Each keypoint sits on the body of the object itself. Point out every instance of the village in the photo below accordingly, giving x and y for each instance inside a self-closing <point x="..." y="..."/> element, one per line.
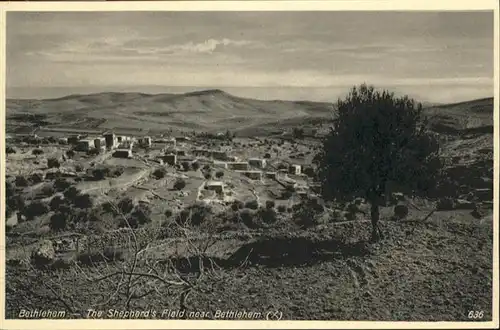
<point x="168" y="174"/>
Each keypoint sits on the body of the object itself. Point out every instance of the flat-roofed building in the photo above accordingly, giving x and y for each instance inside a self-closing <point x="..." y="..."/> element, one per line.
<point x="257" y="162"/>
<point x="122" y="153"/>
<point x="85" y="145"/>
<point x="238" y="166"/>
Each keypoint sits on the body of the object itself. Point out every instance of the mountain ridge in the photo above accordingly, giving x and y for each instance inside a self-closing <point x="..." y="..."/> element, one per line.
<point x="208" y="110"/>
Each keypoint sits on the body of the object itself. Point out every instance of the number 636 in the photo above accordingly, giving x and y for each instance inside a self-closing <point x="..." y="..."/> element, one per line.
<point x="475" y="315"/>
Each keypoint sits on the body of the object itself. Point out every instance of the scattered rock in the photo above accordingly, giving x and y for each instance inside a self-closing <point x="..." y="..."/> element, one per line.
<point x="43" y="254"/>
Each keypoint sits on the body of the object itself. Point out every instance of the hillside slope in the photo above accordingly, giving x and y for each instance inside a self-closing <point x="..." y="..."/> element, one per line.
<point x="209" y="110"/>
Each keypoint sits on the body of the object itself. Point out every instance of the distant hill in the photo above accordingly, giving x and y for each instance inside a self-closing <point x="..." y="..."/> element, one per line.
<point x="206" y="110"/>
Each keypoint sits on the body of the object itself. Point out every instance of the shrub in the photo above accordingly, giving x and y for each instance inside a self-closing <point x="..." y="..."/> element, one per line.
<point x="208" y="176"/>
<point x="445" y="204"/>
<point x="36" y="209"/>
<point x="56" y="202"/>
<point x="141" y="214"/>
<point x="186" y="166"/>
<point x="179" y="184"/>
<point x="247" y="216"/>
<point x="79" y="168"/>
<point x="71" y="193"/>
<point x="195" y="214"/>
<point x="267" y="215"/>
<point x="206" y="168"/>
<point x="253" y="205"/>
<point x="61" y="184"/>
<point x="267" y="155"/>
<point x="53" y="163"/>
<point x="16" y="202"/>
<point x="21" y="181"/>
<point x="237" y="205"/>
<point x="100" y="173"/>
<point x="10" y="150"/>
<point x="36" y="177"/>
<point x="286" y="194"/>
<point x="48" y="190"/>
<point x="219" y="174"/>
<point x="196" y="166"/>
<point x="83" y="201"/>
<point x="282" y="208"/>
<point x="117" y="172"/>
<point x="37" y="152"/>
<point x="168" y="213"/>
<point x="126" y="205"/>
<point x="270" y="204"/>
<point x="70" y="154"/>
<point x="159" y="173"/>
<point x="58" y="221"/>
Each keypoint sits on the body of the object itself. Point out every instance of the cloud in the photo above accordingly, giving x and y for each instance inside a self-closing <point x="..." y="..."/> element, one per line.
<point x="116" y="49"/>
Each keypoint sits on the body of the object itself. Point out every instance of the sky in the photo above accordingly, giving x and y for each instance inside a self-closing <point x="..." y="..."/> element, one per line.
<point x="433" y="56"/>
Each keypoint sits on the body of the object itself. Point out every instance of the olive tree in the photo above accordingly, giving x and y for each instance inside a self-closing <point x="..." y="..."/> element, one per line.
<point x="377" y="142"/>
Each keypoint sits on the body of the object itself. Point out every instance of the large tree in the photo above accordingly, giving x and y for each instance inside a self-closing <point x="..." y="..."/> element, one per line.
<point x="377" y="142"/>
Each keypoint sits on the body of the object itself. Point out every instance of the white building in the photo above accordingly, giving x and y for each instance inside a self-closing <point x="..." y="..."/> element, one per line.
<point x="295" y="169"/>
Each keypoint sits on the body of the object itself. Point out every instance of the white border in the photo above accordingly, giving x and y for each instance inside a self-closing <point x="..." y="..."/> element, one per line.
<point x="374" y="5"/>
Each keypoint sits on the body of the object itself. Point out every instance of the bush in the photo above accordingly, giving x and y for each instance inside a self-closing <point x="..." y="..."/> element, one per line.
<point x="186" y="166"/>
<point x="15" y="202"/>
<point x="70" y="154"/>
<point x="159" y="173"/>
<point x="237" y="205"/>
<point x="126" y="205"/>
<point x="208" y="176"/>
<point x="168" y="213"/>
<point x="21" y="181"/>
<point x="36" y="178"/>
<point x="10" y="150"/>
<point x="56" y="202"/>
<point x="53" y="163"/>
<point x="79" y="168"/>
<point x="141" y="214"/>
<point x="61" y="184"/>
<point x="83" y="201"/>
<point x="36" y="209"/>
<point x="100" y="173"/>
<point x="37" y="152"/>
<point x="253" y="205"/>
<point x="71" y="193"/>
<point x="219" y="174"/>
<point x="58" y="221"/>
<point x="247" y="216"/>
<point x="117" y="172"/>
<point x="282" y="208"/>
<point x="267" y="155"/>
<point x="445" y="204"/>
<point x="267" y="215"/>
<point x="270" y="204"/>
<point x="206" y="168"/>
<point x="195" y="214"/>
<point x="48" y="190"/>
<point x="196" y="166"/>
<point x="179" y="184"/>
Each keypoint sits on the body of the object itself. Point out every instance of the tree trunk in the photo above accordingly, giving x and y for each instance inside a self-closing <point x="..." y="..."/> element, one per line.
<point x="375" y="198"/>
<point x="375" y="216"/>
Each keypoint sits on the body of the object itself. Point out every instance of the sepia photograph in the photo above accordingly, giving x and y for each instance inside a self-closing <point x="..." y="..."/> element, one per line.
<point x="250" y="165"/>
